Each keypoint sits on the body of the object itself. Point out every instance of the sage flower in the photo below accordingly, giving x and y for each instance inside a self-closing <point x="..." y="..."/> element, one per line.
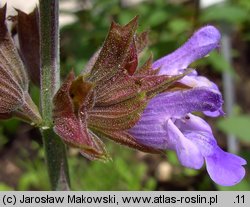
<point x="168" y="122"/>
<point x="148" y="108"/>
<point x="109" y="97"/>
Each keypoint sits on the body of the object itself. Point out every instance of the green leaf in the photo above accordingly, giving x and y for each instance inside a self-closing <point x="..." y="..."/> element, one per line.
<point x="219" y="63"/>
<point x="10" y="125"/>
<point x="225" y="13"/>
<point x="125" y="17"/>
<point x="157" y="18"/>
<point x="190" y="172"/>
<point x="172" y="158"/>
<point x="179" y="26"/>
<point x="236" y="125"/>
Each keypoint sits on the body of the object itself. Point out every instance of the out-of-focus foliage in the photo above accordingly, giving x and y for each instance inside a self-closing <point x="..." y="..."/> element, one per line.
<point x="236" y="125"/>
<point x="3" y="138"/>
<point x="232" y="14"/>
<point x="123" y="173"/>
<point x="4" y="187"/>
<point x="219" y="64"/>
<point x="35" y="177"/>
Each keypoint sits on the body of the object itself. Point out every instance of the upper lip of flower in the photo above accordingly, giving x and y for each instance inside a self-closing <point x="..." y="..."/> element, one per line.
<point x="200" y="44"/>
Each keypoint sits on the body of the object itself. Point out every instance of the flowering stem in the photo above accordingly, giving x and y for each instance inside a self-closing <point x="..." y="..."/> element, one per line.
<point x="50" y="80"/>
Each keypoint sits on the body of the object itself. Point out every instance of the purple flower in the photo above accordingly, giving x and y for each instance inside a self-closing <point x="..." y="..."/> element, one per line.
<point x="200" y="44"/>
<point x="167" y="122"/>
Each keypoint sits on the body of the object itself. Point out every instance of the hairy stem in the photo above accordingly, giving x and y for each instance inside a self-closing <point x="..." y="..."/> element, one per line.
<point x="50" y="80"/>
<point x="56" y="160"/>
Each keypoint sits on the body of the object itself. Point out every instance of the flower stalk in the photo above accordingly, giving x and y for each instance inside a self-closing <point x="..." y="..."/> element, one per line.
<point x="50" y="80"/>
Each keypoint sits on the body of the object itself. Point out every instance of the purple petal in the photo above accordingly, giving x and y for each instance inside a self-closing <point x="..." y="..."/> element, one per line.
<point x="225" y="168"/>
<point x="205" y="141"/>
<point x="194" y="80"/>
<point x="150" y="131"/>
<point x="199" y="132"/>
<point x="179" y="103"/>
<point x="192" y="123"/>
<point x="200" y="44"/>
<point x="219" y="112"/>
<point x="188" y="153"/>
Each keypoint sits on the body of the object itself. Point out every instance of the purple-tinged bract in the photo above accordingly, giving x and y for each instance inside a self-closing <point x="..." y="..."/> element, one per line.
<point x="14" y="97"/>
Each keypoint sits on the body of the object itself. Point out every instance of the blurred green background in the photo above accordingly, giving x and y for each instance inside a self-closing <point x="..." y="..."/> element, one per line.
<point x="170" y="23"/>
